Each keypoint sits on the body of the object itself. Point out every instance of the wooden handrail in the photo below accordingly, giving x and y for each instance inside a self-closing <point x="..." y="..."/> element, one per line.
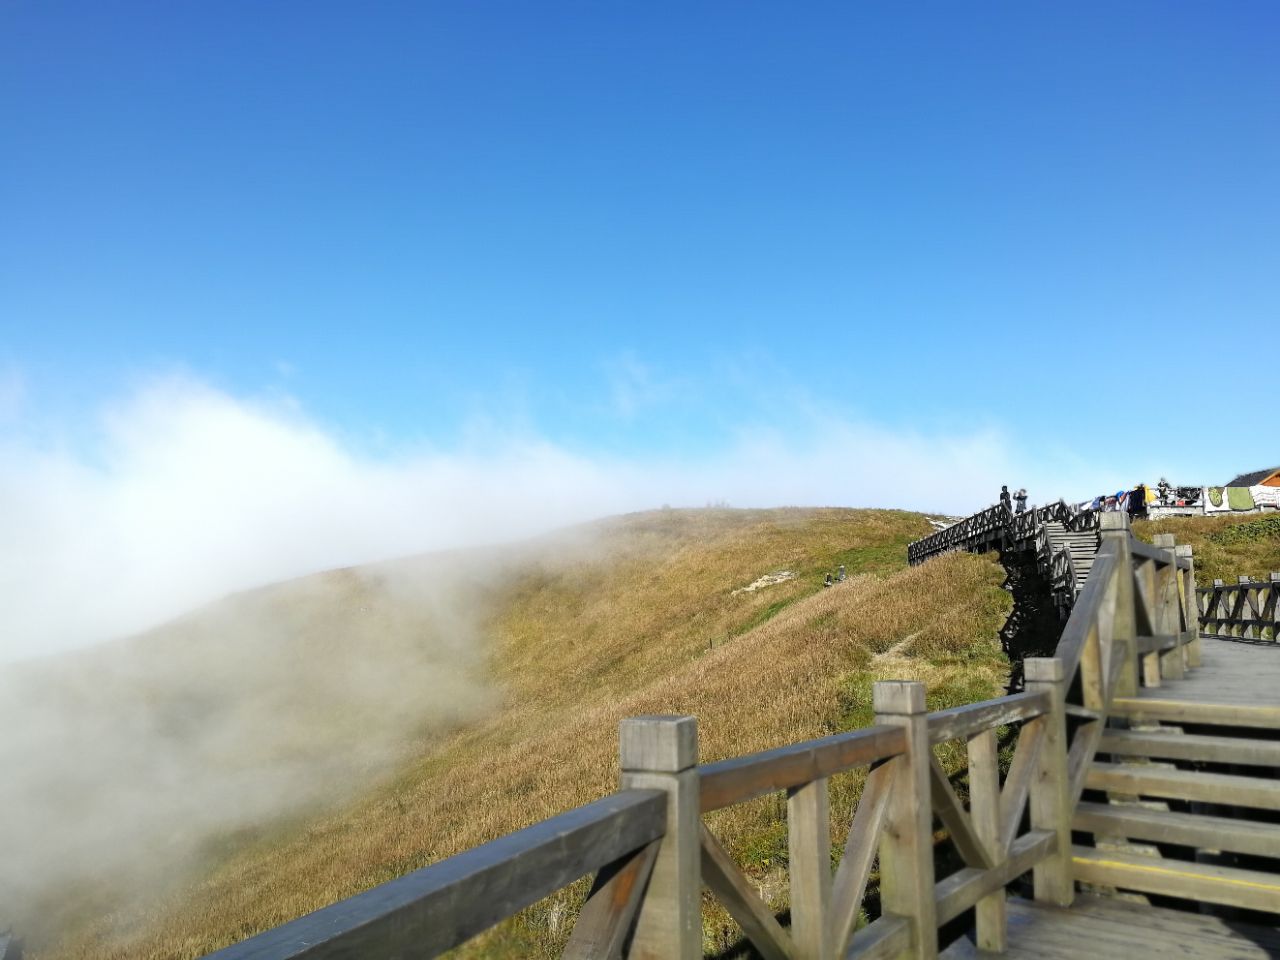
<point x="431" y="910"/>
<point x="744" y="778"/>
<point x="971" y="718"/>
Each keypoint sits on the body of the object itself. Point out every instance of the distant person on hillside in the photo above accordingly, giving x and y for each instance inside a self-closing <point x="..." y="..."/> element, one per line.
<point x="1021" y="497"/>
<point x="1004" y="497"/>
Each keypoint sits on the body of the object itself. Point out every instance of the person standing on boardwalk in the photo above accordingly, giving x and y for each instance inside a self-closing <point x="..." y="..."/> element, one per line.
<point x="1004" y="497"/>
<point x="1021" y="497"/>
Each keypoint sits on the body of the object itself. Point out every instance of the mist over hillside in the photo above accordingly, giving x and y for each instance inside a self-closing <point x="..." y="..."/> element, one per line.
<point x="127" y="765"/>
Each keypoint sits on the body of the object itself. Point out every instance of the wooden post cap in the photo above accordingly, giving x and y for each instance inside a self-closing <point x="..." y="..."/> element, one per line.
<point x="1218" y="583"/>
<point x="1182" y="550"/>
<point x="1164" y="540"/>
<point x="660" y="744"/>
<point x="1115" y="521"/>
<point x="1275" y="577"/>
<point x="1244" y="578"/>
<point x="1043" y="670"/>
<point x="902" y="697"/>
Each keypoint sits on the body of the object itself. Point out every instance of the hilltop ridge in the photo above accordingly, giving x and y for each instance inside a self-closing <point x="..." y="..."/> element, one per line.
<point x="506" y="673"/>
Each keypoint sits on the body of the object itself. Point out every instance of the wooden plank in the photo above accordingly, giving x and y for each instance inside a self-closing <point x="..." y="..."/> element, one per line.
<point x="1111" y="928"/>
<point x="721" y="874"/>
<point x="883" y="939"/>
<point x="906" y="842"/>
<point x="960" y="891"/>
<point x="1265" y="716"/>
<point x="745" y="778"/>
<point x="1183" y="925"/>
<point x="1185" y="746"/>
<point x="1165" y="826"/>
<point x="984" y="807"/>
<point x="1248" y="889"/>
<point x="859" y="852"/>
<point x="1051" y="786"/>
<point x="1017" y="782"/>
<point x="1157" y="644"/>
<point x="809" y="855"/>
<point x="606" y="918"/>
<point x="1152" y="781"/>
<point x="431" y="910"/>
<point x="1075" y="634"/>
<point x="951" y="812"/>
<point x="1080" y="757"/>
<point x="966" y="720"/>
<point x="1148" y="552"/>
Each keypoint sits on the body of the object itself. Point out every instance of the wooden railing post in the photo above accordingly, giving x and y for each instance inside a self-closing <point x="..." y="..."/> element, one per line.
<point x="809" y="847"/>
<point x="1216" y="600"/>
<point x="1183" y="552"/>
<point x="990" y="914"/>
<point x="1169" y="608"/>
<point x="1050" y="789"/>
<point x="661" y="753"/>
<point x="1114" y="528"/>
<point x="1274" y="606"/>
<point x="906" y="845"/>
<point x="1245" y="609"/>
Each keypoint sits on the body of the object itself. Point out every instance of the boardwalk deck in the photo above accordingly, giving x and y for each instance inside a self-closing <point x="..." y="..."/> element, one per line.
<point x="1095" y="927"/>
<point x="1232" y="672"/>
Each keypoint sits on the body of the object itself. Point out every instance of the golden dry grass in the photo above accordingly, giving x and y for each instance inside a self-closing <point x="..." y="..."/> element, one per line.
<point x="645" y="622"/>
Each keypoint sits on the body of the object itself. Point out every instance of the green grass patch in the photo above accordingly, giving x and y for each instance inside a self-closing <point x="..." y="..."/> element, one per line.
<point x="1251" y="532"/>
<point x="763" y="614"/>
<point x="879" y="559"/>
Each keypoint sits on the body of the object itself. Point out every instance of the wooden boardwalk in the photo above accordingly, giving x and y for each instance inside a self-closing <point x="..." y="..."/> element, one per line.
<point x="1096" y="928"/>
<point x="1231" y="673"/>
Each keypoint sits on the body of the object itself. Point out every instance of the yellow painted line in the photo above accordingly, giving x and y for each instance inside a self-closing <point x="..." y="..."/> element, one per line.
<point x="1141" y="868"/>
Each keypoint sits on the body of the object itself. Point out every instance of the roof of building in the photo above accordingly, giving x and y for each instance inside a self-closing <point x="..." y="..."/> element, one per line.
<point x="1254" y="478"/>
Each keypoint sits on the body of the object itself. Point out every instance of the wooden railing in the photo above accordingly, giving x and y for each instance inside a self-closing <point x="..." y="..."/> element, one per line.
<point x="999" y="525"/>
<point x="651" y="853"/>
<point x="1247" y="610"/>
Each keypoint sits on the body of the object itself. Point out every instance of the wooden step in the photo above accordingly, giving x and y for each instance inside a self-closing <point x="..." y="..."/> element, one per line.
<point x="1185" y="746"/>
<point x="1249" y="889"/>
<point x="1266" y="715"/>
<point x="1147" y="780"/>
<point x="1166" y="826"/>
<point x="1106" y="927"/>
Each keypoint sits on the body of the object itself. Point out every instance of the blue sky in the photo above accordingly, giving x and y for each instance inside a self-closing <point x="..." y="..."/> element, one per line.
<point x="653" y="234"/>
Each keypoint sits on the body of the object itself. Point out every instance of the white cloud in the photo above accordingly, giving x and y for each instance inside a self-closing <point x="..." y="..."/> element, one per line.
<point x="191" y="493"/>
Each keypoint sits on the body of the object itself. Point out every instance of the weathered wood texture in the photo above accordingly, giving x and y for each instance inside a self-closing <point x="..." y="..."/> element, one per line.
<point x="1095" y="927"/>
<point x="1248" y="889"/>
<point x="429" y="911"/>
<point x="1248" y="609"/>
<point x="745" y="778"/>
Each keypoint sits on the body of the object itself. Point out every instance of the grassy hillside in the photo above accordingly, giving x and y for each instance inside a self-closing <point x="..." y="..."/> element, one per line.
<point x="1224" y="547"/>
<point x="639" y="614"/>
